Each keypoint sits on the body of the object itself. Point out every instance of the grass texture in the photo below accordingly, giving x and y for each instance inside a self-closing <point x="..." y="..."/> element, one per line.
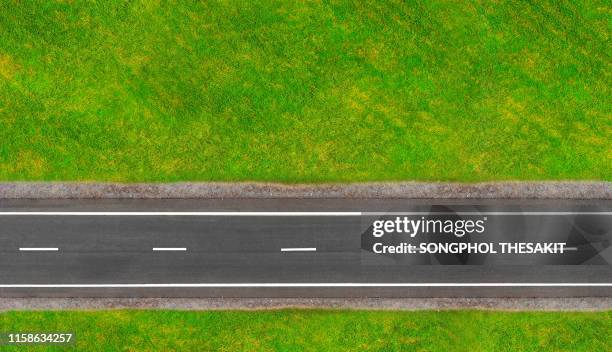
<point x="318" y="330"/>
<point x="305" y="91"/>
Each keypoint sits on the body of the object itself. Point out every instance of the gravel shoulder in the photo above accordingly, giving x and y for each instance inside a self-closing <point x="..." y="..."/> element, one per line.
<point x="509" y="304"/>
<point x="415" y="190"/>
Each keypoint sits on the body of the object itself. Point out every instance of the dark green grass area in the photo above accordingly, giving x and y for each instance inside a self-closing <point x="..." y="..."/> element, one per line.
<point x="305" y="91"/>
<point x="321" y="330"/>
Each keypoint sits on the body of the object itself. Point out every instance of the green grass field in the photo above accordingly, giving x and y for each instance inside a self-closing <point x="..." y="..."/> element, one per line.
<point x="305" y="91"/>
<point x="321" y="330"/>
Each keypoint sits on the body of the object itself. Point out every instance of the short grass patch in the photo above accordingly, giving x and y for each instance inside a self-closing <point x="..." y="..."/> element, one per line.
<point x="321" y="330"/>
<point x="307" y="91"/>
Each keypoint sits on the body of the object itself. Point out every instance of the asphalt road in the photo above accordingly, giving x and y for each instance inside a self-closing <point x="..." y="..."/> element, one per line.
<point x="292" y="248"/>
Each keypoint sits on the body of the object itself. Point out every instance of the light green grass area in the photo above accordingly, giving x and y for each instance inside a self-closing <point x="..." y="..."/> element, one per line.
<point x="321" y="330"/>
<point x="305" y="91"/>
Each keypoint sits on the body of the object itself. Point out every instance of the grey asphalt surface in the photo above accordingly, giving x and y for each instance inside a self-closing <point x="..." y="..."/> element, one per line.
<point x="246" y="250"/>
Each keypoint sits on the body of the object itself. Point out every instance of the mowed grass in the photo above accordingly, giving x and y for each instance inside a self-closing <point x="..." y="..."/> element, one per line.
<point x="305" y="91"/>
<point x="320" y="330"/>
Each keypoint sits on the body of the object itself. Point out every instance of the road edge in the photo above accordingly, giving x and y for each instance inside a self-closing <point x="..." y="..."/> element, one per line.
<point x="407" y="304"/>
<point x="204" y="190"/>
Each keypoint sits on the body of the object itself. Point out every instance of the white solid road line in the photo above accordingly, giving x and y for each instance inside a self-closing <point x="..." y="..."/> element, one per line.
<point x="169" y="248"/>
<point x="332" y="284"/>
<point x="286" y="213"/>
<point x="476" y="213"/>
<point x="28" y="249"/>
<point x="309" y="249"/>
<point x="181" y="213"/>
